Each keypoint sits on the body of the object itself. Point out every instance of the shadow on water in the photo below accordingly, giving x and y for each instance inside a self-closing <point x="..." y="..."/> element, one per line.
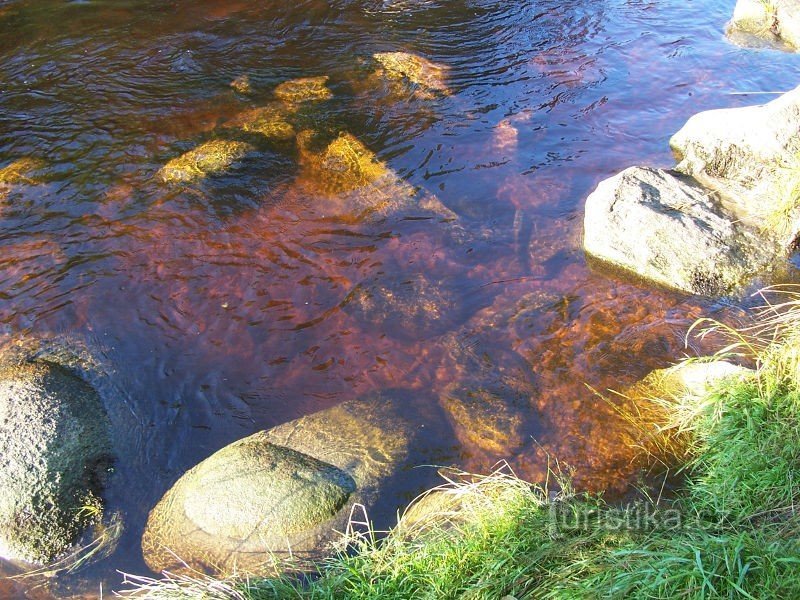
<point x="235" y="303"/>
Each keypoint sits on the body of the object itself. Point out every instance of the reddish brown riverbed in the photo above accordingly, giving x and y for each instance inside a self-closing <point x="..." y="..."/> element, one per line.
<point x="218" y="308"/>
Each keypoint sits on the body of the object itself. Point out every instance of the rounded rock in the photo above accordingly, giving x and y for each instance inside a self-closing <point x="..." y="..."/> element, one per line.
<point x="243" y="503"/>
<point x="55" y="452"/>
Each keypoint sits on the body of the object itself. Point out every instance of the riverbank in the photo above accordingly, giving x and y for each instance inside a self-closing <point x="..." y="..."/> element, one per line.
<point x="729" y="528"/>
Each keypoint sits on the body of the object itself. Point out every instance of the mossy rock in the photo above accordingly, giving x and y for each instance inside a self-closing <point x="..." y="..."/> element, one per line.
<point x="22" y="170"/>
<point x="304" y="89"/>
<point x="245" y="500"/>
<point x="210" y="158"/>
<point x="342" y="165"/>
<point x="55" y="452"/>
<point x="269" y="121"/>
<point x="427" y="77"/>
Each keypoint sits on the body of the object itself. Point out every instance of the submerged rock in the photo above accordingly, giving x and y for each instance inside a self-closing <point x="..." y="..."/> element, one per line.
<point x="351" y="183"/>
<point x="407" y="307"/>
<point x="269" y="121"/>
<point x="22" y="170"/>
<point x="212" y="157"/>
<point x="770" y="20"/>
<point x="242" y="85"/>
<point x="55" y="452"/>
<point x="280" y="495"/>
<point x="670" y="230"/>
<point x="304" y="89"/>
<point x="342" y="165"/>
<point x="491" y="399"/>
<point x="751" y="156"/>
<point x="427" y="77"/>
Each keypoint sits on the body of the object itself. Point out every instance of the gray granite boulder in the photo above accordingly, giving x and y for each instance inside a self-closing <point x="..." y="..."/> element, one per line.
<point x="751" y="156"/>
<point x="55" y="452"/>
<point x="667" y="229"/>
<point x="768" y="20"/>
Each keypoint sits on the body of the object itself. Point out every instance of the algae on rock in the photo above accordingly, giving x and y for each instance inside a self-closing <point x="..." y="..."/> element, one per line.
<point x="22" y="170"/>
<point x="242" y="84"/>
<point x="304" y="89"/>
<point x="209" y="158"/>
<point x="269" y="121"/>
<point x="343" y="165"/>
<point x="428" y="77"/>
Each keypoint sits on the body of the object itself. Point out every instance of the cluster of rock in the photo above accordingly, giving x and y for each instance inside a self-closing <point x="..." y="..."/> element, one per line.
<point x="279" y="497"/>
<point x="728" y="211"/>
<point x="345" y="159"/>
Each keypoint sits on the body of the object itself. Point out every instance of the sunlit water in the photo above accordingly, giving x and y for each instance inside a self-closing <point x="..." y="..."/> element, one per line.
<point x="218" y="309"/>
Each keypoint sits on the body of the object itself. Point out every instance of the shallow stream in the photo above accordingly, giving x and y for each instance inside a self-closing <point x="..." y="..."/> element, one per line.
<point x="222" y="307"/>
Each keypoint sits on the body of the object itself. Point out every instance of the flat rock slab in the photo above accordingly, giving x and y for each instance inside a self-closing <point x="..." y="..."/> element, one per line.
<point x="669" y="230"/>
<point x="272" y="500"/>
<point x="751" y="156"/>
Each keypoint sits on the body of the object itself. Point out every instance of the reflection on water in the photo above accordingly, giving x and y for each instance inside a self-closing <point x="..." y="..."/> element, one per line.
<point x="239" y="301"/>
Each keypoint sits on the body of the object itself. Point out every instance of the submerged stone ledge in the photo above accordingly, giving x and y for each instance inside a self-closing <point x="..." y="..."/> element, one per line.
<point x="729" y="211"/>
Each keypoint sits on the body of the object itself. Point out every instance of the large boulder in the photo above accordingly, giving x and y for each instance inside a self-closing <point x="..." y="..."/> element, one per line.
<point x="749" y="155"/>
<point x="770" y="20"/>
<point x="55" y="453"/>
<point x="667" y="229"/>
<point x="280" y="495"/>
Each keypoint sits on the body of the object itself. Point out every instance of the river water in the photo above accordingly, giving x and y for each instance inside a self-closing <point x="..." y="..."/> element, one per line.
<point x="219" y="308"/>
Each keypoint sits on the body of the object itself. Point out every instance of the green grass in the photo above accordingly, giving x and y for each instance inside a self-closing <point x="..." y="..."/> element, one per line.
<point x="730" y="531"/>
